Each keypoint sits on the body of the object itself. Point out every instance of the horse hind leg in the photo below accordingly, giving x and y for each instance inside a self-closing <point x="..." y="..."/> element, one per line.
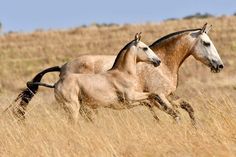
<point x="70" y="106"/>
<point x="71" y="112"/>
<point x="86" y="113"/>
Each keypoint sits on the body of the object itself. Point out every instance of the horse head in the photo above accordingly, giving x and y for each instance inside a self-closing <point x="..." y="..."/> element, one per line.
<point x="205" y="51"/>
<point x="144" y="53"/>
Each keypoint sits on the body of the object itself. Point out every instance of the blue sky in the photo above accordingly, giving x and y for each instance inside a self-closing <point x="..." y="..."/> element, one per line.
<point x="28" y="15"/>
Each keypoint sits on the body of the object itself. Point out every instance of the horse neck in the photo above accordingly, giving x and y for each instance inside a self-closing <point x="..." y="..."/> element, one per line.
<point x="125" y="62"/>
<point x="173" y="51"/>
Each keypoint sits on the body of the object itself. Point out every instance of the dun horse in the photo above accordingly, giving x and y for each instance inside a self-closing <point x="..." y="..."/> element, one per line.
<point x="114" y="88"/>
<point x="173" y="49"/>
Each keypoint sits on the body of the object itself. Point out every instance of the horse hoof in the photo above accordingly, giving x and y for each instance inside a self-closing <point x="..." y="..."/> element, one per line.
<point x="156" y="119"/>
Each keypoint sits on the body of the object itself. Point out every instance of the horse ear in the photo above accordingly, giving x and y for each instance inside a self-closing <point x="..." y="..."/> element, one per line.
<point x="208" y="29"/>
<point x="137" y="36"/>
<point x="204" y="28"/>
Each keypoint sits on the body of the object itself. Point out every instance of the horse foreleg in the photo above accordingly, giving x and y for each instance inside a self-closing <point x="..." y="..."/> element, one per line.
<point x="164" y="105"/>
<point x="177" y="101"/>
<point x="151" y="109"/>
<point x="138" y="98"/>
<point x="186" y="106"/>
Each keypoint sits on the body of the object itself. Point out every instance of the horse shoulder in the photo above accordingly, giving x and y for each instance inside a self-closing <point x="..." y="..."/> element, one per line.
<point x="155" y="79"/>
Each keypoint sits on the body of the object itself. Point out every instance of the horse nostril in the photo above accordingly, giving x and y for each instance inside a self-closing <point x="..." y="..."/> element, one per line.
<point x="221" y="66"/>
<point x="156" y="62"/>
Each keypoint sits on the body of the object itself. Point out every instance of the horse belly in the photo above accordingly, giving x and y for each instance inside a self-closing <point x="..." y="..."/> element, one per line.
<point x="98" y="93"/>
<point x="105" y="100"/>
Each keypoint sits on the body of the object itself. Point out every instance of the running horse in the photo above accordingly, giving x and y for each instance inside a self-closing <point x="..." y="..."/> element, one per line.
<point x="173" y="49"/>
<point x="115" y="88"/>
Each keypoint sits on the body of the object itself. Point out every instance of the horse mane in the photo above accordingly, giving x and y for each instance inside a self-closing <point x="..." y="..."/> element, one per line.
<point x="172" y="35"/>
<point x="121" y="54"/>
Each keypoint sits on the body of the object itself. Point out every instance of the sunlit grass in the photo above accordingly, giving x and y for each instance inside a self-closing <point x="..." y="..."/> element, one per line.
<point x="128" y="133"/>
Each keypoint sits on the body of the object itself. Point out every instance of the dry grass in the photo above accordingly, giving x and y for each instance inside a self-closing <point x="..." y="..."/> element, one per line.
<point x="118" y="133"/>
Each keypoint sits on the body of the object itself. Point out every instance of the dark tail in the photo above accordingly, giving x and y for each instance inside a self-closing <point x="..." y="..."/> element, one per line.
<point x="32" y="87"/>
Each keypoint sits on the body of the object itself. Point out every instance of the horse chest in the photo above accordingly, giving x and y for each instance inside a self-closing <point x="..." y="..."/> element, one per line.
<point x="157" y="80"/>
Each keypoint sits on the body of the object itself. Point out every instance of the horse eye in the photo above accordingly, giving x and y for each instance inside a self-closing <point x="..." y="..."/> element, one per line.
<point x="207" y="44"/>
<point x="145" y="48"/>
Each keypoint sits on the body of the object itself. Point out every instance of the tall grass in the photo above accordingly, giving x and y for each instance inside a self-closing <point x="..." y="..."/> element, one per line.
<point x="128" y="133"/>
<point x="134" y="132"/>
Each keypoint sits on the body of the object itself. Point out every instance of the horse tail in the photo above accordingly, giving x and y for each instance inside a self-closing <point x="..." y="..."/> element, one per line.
<point x="32" y="87"/>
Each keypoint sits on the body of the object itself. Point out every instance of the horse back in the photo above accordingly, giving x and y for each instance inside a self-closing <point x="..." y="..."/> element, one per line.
<point x="88" y="64"/>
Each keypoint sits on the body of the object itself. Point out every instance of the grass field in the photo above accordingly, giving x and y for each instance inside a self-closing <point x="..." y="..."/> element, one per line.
<point x="128" y="133"/>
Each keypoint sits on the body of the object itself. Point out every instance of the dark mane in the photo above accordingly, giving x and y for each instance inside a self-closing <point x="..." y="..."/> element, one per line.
<point x="173" y="34"/>
<point x="121" y="53"/>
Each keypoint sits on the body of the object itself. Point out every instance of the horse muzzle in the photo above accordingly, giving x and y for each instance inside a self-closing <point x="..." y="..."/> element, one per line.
<point x="156" y="62"/>
<point x="216" y="67"/>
